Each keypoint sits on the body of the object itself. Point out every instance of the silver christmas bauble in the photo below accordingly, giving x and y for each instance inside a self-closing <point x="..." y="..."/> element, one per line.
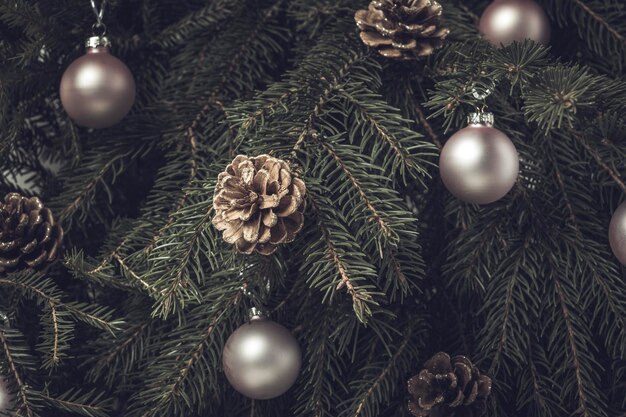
<point x="617" y="233"/>
<point x="505" y="21"/>
<point x="6" y="398"/>
<point x="97" y="90"/>
<point x="261" y="359"/>
<point x="479" y="164"/>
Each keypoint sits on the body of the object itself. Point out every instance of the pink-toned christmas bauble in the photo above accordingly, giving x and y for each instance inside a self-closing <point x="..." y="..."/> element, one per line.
<point x="97" y="90"/>
<point x="505" y="21"/>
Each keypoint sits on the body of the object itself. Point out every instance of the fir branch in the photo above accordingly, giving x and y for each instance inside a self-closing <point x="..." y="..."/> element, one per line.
<point x="171" y="287"/>
<point x="508" y="302"/>
<point x="104" y="272"/>
<point x="107" y="259"/>
<point x="343" y="256"/>
<point x="193" y="171"/>
<point x="183" y="380"/>
<point x="87" y="189"/>
<point x="133" y="334"/>
<point x="149" y="288"/>
<point x="206" y="20"/>
<point x="558" y="93"/>
<point x="595" y="16"/>
<point x="322" y="362"/>
<point x="508" y="306"/>
<point x="92" y="314"/>
<point x="200" y="347"/>
<point x="582" y="396"/>
<point x="613" y="174"/>
<point x="600" y="277"/>
<point x="86" y="404"/>
<point x="566" y="199"/>
<point x="86" y="180"/>
<point x="380" y="379"/>
<point x="125" y="353"/>
<point x="23" y="390"/>
<point x="252" y="119"/>
<point x="538" y="389"/>
<point x="376" y="215"/>
<point x="388" y="127"/>
<point x="331" y="86"/>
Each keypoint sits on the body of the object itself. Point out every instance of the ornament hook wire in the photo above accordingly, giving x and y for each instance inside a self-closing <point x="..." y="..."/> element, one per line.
<point x="482" y="93"/>
<point x="254" y="294"/>
<point x="99" y="13"/>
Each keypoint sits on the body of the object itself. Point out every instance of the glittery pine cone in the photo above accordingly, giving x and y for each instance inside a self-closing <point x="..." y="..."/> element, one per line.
<point x="449" y="388"/>
<point x="258" y="204"/>
<point x="29" y="237"/>
<point x="402" y="29"/>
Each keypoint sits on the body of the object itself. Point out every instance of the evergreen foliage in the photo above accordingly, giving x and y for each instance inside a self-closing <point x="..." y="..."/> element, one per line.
<point x="389" y="269"/>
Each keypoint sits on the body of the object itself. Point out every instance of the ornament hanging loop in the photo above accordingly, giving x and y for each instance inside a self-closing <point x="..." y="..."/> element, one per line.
<point x="99" y="29"/>
<point x="481" y="93"/>
<point x="481" y="89"/>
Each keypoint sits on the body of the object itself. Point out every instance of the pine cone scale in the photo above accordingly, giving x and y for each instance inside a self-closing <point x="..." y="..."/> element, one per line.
<point x="280" y="233"/>
<point x="294" y="224"/>
<point x="374" y="39"/>
<point x="38" y="260"/>
<point x="471" y="397"/>
<point x="29" y="247"/>
<point x="269" y="219"/>
<point x="232" y="233"/>
<point x="484" y="386"/>
<point x="411" y="44"/>
<point x="266" y="235"/>
<point x="458" y="400"/>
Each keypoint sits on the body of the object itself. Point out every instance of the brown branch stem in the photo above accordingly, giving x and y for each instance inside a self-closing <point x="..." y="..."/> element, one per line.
<point x="429" y="129"/>
<point x="22" y="394"/>
<point x="383" y="374"/>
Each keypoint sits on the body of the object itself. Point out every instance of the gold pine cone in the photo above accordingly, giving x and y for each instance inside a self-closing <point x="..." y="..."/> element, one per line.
<point x="258" y="204"/>
<point x="29" y="237"/>
<point x="402" y="29"/>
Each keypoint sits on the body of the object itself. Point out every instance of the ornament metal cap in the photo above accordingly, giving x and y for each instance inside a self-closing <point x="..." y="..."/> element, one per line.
<point x="480" y="118"/>
<point x="255" y="314"/>
<point x="97" y="41"/>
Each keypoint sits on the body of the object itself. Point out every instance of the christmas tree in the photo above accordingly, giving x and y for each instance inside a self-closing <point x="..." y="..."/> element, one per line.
<point x="286" y="156"/>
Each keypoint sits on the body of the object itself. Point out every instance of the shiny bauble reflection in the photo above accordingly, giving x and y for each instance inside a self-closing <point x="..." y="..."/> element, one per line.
<point x="505" y="21"/>
<point x="262" y="359"/>
<point x="97" y="90"/>
<point x="6" y="398"/>
<point x="617" y="233"/>
<point x="479" y="164"/>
